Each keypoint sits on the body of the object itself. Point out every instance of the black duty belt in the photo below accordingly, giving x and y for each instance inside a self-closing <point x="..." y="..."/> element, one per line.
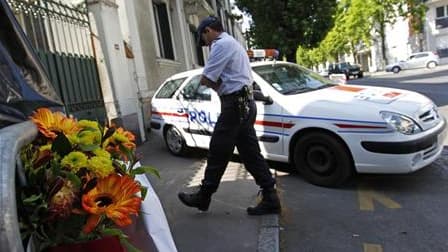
<point x="243" y="92"/>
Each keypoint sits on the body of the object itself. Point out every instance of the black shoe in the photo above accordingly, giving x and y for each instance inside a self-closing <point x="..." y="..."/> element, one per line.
<point x="200" y="200"/>
<point x="270" y="204"/>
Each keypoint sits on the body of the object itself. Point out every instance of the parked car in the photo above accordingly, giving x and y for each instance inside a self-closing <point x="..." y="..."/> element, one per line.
<point x="323" y="73"/>
<point x="415" y="60"/>
<point x="326" y="131"/>
<point x="346" y="68"/>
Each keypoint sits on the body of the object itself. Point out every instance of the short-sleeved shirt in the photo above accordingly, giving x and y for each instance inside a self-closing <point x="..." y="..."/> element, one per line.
<point x="229" y="61"/>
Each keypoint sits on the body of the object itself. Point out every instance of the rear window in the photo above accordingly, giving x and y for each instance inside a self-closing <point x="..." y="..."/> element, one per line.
<point x="169" y="88"/>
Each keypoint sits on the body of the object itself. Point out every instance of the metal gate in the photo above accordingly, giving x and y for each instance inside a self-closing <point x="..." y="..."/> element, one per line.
<point x="60" y="33"/>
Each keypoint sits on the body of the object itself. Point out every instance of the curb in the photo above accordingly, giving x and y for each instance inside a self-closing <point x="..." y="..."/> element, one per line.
<point x="268" y="238"/>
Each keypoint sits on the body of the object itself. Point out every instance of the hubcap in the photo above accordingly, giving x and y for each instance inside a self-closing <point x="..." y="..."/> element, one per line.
<point x="320" y="159"/>
<point x="174" y="140"/>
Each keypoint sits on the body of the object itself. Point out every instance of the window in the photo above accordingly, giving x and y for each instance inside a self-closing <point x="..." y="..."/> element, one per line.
<point x="442" y="17"/>
<point x="420" y="55"/>
<point x="194" y="91"/>
<point x="169" y="88"/>
<point x="163" y="30"/>
<point x="290" y="79"/>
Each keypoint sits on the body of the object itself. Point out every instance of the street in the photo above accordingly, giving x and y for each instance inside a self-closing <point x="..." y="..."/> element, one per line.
<point x="370" y="213"/>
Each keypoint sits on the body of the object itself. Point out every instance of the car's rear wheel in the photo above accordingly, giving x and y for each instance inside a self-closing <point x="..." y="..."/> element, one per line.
<point x="396" y="69"/>
<point x="431" y="64"/>
<point x="323" y="159"/>
<point x="360" y="75"/>
<point x="175" y="142"/>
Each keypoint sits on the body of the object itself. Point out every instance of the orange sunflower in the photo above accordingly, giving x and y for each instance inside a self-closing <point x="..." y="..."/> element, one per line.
<point x="50" y="123"/>
<point x="122" y="138"/>
<point x="115" y="196"/>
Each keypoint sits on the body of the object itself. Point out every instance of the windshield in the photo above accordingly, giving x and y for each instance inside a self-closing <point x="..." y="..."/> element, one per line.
<point x="291" y="79"/>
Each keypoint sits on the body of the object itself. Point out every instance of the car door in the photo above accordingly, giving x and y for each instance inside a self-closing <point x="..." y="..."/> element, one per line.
<point x="203" y="108"/>
<point x="421" y="59"/>
<point x="416" y="60"/>
<point x="269" y="122"/>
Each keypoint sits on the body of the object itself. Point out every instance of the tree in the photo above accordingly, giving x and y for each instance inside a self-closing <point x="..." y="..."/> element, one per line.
<point x="359" y="22"/>
<point x="283" y="24"/>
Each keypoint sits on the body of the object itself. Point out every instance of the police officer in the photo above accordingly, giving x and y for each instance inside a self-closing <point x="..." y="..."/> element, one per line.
<point x="228" y="72"/>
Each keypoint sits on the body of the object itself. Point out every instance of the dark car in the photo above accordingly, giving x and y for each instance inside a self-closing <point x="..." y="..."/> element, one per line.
<point x="345" y="68"/>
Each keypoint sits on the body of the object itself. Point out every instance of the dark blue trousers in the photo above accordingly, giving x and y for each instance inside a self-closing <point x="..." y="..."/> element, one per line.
<point x="231" y="131"/>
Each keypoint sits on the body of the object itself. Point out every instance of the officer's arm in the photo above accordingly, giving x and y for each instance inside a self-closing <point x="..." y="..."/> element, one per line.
<point x="209" y="83"/>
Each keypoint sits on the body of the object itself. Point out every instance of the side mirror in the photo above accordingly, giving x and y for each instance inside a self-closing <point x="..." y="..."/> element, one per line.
<point x="258" y="96"/>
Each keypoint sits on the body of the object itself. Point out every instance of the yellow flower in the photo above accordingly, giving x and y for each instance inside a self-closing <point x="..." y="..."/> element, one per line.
<point x="87" y="137"/>
<point x="101" y="153"/>
<point x="116" y="197"/>
<point x="75" y="160"/>
<point x="86" y="124"/>
<point x="50" y="123"/>
<point x="122" y="138"/>
<point x="101" y="166"/>
<point x="46" y="147"/>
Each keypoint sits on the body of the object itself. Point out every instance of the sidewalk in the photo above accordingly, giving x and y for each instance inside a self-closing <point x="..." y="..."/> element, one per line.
<point x="226" y="226"/>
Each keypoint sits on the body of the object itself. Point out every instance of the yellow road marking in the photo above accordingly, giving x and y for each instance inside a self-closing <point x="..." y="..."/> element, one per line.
<point x="367" y="196"/>
<point x="369" y="247"/>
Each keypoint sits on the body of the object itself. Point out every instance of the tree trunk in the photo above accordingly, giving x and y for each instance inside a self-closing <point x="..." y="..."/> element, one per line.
<point x="383" y="42"/>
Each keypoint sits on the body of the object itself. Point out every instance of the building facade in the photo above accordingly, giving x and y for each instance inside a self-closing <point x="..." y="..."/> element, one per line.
<point x="400" y="42"/>
<point x="141" y="43"/>
<point x="436" y="27"/>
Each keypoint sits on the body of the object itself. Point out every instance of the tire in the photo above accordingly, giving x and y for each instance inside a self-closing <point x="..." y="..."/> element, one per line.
<point x="396" y="69"/>
<point x="322" y="159"/>
<point x="431" y="64"/>
<point x="175" y="142"/>
<point x="360" y="75"/>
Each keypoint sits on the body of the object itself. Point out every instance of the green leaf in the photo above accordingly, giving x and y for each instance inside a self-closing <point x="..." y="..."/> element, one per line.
<point x="89" y="147"/>
<point x="143" y="191"/>
<point x="113" y="232"/>
<point x="61" y="145"/>
<point x="126" y="151"/>
<point x="108" y="133"/>
<point x="73" y="178"/>
<point x="146" y="170"/>
<point x="32" y="198"/>
<point x="129" y="247"/>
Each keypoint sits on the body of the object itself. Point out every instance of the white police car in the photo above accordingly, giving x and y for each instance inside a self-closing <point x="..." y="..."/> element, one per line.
<point x="326" y="131"/>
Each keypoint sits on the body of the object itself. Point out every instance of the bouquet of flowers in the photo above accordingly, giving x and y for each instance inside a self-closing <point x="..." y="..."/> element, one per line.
<point x="79" y="182"/>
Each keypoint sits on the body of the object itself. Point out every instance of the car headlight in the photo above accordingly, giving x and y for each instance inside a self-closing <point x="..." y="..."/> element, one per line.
<point x="401" y="123"/>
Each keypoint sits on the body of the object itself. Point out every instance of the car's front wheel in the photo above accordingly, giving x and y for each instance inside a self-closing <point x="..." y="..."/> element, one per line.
<point x="431" y="64"/>
<point x="396" y="69"/>
<point x="322" y="159"/>
<point x="175" y="142"/>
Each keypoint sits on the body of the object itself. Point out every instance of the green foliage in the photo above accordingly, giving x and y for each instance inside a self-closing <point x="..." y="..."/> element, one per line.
<point x="359" y="22"/>
<point x="283" y="24"/>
